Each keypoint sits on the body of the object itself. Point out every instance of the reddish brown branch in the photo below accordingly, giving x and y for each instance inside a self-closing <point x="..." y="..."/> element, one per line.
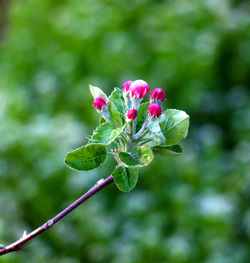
<point x="19" y="244"/>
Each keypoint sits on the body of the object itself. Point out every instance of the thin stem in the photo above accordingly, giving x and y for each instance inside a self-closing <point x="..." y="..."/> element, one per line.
<point x="124" y="138"/>
<point x="110" y="153"/>
<point x="121" y="145"/>
<point x="19" y="244"/>
<point x="141" y="131"/>
<point x="117" y="145"/>
<point x="143" y="134"/>
<point x="134" y="126"/>
<point x="131" y="128"/>
<point x="142" y="142"/>
<point x="118" y="160"/>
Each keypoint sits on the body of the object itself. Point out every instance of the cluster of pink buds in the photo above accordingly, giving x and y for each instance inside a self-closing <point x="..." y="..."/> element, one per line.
<point x="135" y="91"/>
<point x="157" y="96"/>
<point x="101" y="106"/>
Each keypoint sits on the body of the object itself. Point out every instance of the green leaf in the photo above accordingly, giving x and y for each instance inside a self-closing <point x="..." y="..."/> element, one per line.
<point x="142" y="114"/>
<point x="97" y="92"/>
<point x="114" y="114"/>
<point x="87" y="157"/>
<point x="125" y="178"/>
<point x="117" y="98"/>
<point x="105" y="133"/>
<point x="140" y="156"/>
<point x="165" y="150"/>
<point x="174" y="125"/>
<point x="158" y="139"/>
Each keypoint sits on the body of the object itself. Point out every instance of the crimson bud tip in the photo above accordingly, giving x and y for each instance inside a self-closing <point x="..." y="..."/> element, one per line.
<point x="154" y="110"/>
<point x="99" y="103"/>
<point x="132" y="114"/>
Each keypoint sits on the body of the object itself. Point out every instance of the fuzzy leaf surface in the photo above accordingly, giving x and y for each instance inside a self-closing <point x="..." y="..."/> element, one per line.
<point x="142" y="115"/>
<point x="165" y="150"/>
<point x="87" y="157"/>
<point x="114" y="113"/>
<point x="105" y="133"/>
<point x="174" y="125"/>
<point x="117" y="99"/>
<point x="140" y="156"/>
<point x="155" y="131"/>
<point x="125" y="178"/>
<point x="97" y="92"/>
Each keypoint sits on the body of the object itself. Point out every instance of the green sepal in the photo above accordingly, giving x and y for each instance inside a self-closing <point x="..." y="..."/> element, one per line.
<point x="155" y="131"/>
<point x="97" y="92"/>
<point x="125" y="178"/>
<point x="105" y="133"/>
<point x="87" y="157"/>
<point x="142" y="115"/>
<point x="140" y="156"/>
<point x="114" y="113"/>
<point x="154" y="125"/>
<point x="165" y="150"/>
<point x="117" y="98"/>
<point x="174" y="125"/>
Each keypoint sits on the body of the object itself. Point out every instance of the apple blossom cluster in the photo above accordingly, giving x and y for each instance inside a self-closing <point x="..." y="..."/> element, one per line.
<point x="133" y="131"/>
<point x="134" y="92"/>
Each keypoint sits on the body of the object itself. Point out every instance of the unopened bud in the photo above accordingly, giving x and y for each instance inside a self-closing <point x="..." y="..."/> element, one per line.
<point x="126" y="85"/>
<point x="101" y="106"/>
<point x="154" y="110"/>
<point x="139" y="89"/>
<point x="126" y="88"/>
<point x="99" y="103"/>
<point x="157" y="95"/>
<point x="132" y="114"/>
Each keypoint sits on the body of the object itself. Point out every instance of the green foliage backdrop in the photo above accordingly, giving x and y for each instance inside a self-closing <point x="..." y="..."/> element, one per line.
<point x="192" y="208"/>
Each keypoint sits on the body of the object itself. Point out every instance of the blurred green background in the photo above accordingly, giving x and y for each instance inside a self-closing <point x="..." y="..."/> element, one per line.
<point x="193" y="208"/>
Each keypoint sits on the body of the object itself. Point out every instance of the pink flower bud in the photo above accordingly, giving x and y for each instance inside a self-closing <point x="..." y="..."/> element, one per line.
<point x="158" y="94"/>
<point x="99" y="103"/>
<point x="132" y="114"/>
<point x="139" y="89"/>
<point x="154" y="110"/>
<point x="126" y="85"/>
